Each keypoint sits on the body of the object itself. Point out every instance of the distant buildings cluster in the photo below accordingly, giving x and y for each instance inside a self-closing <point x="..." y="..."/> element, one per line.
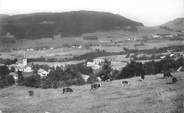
<point x="95" y="64"/>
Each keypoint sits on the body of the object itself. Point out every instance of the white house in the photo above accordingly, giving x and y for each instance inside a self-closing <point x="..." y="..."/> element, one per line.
<point x="43" y="73"/>
<point x="162" y="57"/>
<point x="85" y="77"/>
<point x="96" y="64"/>
<point x="27" y="69"/>
<point x="93" y="65"/>
<point x="156" y="36"/>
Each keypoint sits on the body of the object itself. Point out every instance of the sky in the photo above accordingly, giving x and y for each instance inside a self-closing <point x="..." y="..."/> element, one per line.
<point x="149" y="12"/>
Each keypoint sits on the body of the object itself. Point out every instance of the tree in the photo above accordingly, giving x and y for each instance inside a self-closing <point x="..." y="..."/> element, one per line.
<point x="20" y="77"/>
<point x="132" y="69"/>
<point x="106" y="70"/>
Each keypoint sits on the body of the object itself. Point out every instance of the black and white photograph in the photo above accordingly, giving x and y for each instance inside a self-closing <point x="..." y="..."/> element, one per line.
<point x="91" y="56"/>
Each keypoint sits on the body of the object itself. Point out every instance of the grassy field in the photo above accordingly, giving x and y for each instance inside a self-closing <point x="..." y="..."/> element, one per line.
<point x="153" y="95"/>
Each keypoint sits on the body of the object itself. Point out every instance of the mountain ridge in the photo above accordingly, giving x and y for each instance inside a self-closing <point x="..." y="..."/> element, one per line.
<point x="175" y="25"/>
<point x="38" y="25"/>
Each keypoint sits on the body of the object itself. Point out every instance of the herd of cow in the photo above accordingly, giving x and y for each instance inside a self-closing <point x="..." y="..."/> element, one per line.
<point x="124" y="82"/>
<point x="98" y="85"/>
<point x="93" y="86"/>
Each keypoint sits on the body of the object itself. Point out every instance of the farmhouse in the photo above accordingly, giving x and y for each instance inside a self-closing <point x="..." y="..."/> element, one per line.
<point x="43" y="73"/>
<point x="85" y="77"/>
<point x="21" y="65"/>
<point x="96" y="64"/>
<point x="156" y="36"/>
<point x="93" y="65"/>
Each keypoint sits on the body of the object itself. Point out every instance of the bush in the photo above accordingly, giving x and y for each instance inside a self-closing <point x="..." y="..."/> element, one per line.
<point x="20" y="77"/>
<point x="5" y="79"/>
<point x="32" y="81"/>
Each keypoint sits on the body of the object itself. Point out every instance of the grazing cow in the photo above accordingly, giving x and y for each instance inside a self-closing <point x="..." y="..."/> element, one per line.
<point x="142" y="76"/>
<point x="31" y="93"/>
<point x="65" y="90"/>
<point x="174" y="80"/>
<point x="95" y="86"/>
<point x="124" y="82"/>
<point x="167" y="74"/>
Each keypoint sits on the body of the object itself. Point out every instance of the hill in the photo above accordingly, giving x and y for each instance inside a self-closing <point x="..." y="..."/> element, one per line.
<point x="174" y="25"/>
<point x="153" y="95"/>
<point x="41" y="25"/>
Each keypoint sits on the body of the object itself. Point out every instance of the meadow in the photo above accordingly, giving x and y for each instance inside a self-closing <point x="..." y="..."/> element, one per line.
<point x="153" y="95"/>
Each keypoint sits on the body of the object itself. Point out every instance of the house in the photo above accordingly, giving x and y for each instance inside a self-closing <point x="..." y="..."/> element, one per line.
<point x="21" y="65"/>
<point x="27" y="69"/>
<point x="96" y="64"/>
<point x="162" y="57"/>
<point x="93" y="65"/>
<point x="85" y="77"/>
<point x="30" y="49"/>
<point x="43" y="73"/>
<point x="156" y="36"/>
<point x="171" y="55"/>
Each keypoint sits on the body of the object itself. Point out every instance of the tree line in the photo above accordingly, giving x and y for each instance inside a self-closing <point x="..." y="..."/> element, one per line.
<point x="71" y="74"/>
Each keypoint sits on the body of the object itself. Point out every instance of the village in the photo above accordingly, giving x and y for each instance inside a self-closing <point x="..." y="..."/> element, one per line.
<point x="91" y="56"/>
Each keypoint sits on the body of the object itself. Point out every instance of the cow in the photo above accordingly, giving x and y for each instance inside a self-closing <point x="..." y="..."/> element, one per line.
<point x="142" y="76"/>
<point x="174" y="80"/>
<point x="65" y="90"/>
<point x="167" y="74"/>
<point x="96" y="85"/>
<point x="31" y="93"/>
<point x="124" y="82"/>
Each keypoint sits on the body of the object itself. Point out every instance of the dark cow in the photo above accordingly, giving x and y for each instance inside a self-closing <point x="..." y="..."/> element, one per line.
<point x="142" y="76"/>
<point x="31" y="93"/>
<point x="65" y="90"/>
<point x="124" y="82"/>
<point x="174" y="80"/>
<point x="95" y="86"/>
<point x="167" y="74"/>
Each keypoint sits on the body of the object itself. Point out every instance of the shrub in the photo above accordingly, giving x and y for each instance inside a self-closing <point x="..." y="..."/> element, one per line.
<point x="20" y="77"/>
<point x="92" y="79"/>
<point x="32" y="81"/>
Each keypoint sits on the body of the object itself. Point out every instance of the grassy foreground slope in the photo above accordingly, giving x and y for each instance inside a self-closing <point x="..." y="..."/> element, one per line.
<point x="154" y="95"/>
